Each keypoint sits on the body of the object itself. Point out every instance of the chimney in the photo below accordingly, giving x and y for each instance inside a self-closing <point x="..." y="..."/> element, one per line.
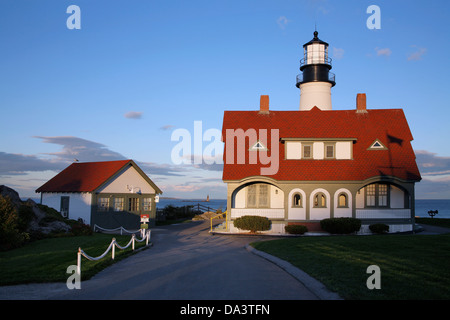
<point x="361" y="103"/>
<point x="264" y="104"/>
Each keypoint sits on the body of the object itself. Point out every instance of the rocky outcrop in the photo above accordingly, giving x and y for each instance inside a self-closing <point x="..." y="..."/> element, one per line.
<point x="38" y="219"/>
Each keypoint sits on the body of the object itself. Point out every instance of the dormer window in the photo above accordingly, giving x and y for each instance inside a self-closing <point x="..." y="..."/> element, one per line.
<point x="258" y="146"/>
<point x="377" y="145"/>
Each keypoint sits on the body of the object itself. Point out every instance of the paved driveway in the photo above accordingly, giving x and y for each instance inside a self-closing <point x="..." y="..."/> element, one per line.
<point x="185" y="263"/>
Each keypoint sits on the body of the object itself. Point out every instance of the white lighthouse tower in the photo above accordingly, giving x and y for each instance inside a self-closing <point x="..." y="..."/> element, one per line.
<point x="316" y="80"/>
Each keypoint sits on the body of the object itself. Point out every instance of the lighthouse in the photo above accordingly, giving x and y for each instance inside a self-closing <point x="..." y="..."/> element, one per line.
<point x="316" y="80"/>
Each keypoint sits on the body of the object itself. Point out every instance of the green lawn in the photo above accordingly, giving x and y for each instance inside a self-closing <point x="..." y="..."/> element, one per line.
<point x="47" y="260"/>
<point x="412" y="266"/>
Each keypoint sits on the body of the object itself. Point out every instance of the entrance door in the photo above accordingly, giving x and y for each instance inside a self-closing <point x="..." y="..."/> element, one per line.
<point x="65" y="206"/>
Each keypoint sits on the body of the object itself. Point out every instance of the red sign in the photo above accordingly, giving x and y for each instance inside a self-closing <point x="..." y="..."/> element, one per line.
<point x="145" y="217"/>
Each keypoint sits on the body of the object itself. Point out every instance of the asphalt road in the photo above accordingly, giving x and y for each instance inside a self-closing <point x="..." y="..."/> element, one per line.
<point x="184" y="263"/>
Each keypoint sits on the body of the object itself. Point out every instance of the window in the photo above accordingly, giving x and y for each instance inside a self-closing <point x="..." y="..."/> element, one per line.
<point x="329" y="151"/>
<point x="118" y="204"/>
<point x="307" y="151"/>
<point x="258" y="146"/>
<point x="377" y="145"/>
<point x="342" y="200"/>
<point x="147" y="204"/>
<point x="297" y="201"/>
<point x="103" y="204"/>
<point x="370" y="195"/>
<point x="258" y="196"/>
<point x="377" y="195"/>
<point x="133" y="204"/>
<point x="320" y="201"/>
<point x="382" y="195"/>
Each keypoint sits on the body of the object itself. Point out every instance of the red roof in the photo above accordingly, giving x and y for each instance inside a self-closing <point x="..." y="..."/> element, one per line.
<point x="83" y="176"/>
<point x="389" y="126"/>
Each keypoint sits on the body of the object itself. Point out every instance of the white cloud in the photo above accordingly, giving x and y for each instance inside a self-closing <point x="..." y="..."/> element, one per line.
<point x="417" y="55"/>
<point x="282" y="22"/>
<point x="383" y="52"/>
<point x="338" y="53"/>
<point x="167" y="127"/>
<point x="133" y="115"/>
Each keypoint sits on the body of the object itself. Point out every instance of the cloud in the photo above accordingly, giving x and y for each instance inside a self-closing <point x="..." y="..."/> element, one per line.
<point x="133" y="115"/>
<point x="167" y="127"/>
<point x="431" y="164"/>
<point x="383" y="51"/>
<point x="338" y="53"/>
<point x="20" y="164"/>
<point x="152" y="168"/>
<point x="282" y="22"/>
<point x="417" y="55"/>
<point x="80" y="149"/>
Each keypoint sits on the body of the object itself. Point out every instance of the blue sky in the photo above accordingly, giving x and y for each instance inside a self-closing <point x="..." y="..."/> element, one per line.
<point x="138" y="70"/>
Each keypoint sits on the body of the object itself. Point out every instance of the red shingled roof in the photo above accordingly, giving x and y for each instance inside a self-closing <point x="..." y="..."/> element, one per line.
<point x="83" y="176"/>
<point x="389" y="126"/>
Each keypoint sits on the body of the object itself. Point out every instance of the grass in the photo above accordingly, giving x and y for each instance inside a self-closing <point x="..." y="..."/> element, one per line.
<point x="47" y="260"/>
<point x="412" y="266"/>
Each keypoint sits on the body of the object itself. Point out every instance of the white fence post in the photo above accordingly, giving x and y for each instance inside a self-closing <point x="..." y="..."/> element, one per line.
<point x="79" y="262"/>
<point x="113" y="248"/>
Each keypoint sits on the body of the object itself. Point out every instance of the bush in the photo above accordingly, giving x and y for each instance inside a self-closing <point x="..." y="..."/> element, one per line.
<point x="379" y="228"/>
<point x="295" y="229"/>
<point x="340" y="225"/>
<point x="79" y="228"/>
<point x="253" y="223"/>
<point x="10" y="234"/>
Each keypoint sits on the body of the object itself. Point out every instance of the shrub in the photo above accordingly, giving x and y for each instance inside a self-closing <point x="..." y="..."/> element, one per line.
<point x="340" y="225"/>
<point x="79" y="228"/>
<point x="379" y="228"/>
<point x="253" y="223"/>
<point x="295" y="229"/>
<point x="10" y="234"/>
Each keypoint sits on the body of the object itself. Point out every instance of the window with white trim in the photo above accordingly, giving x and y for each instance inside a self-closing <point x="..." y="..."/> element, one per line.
<point x="377" y="195"/>
<point x="147" y="204"/>
<point x="297" y="200"/>
<point x="258" y="196"/>
<point x="320" y="200"/>
<point x="118" y="204"/>
<point x="103" y="204"/>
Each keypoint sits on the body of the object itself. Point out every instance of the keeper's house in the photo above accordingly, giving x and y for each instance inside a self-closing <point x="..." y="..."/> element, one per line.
<point x="108" y="194"/>
<point x="299" y="167"/>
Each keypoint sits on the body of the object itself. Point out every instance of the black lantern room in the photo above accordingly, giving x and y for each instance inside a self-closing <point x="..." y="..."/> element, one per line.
<point x="316" y="64"/>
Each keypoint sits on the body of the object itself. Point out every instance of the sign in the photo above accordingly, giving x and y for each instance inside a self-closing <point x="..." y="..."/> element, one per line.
<point x="144" y="226"/>
<point x="145" y="217"/>
<point x="156" y="198"/>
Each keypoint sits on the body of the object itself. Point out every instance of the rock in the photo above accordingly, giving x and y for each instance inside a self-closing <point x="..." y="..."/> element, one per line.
<point x="36" y="224"/>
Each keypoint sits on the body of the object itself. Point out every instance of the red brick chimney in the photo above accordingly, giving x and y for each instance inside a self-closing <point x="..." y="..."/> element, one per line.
<point x="361" y="103"/>
<point x="264" y="104"/>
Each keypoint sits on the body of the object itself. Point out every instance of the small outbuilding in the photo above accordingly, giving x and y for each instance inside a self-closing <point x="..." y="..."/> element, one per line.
<point x="109" y="194"/>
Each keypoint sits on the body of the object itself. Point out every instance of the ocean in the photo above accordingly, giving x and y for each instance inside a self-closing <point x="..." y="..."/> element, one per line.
<point x="422" y="206"/>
